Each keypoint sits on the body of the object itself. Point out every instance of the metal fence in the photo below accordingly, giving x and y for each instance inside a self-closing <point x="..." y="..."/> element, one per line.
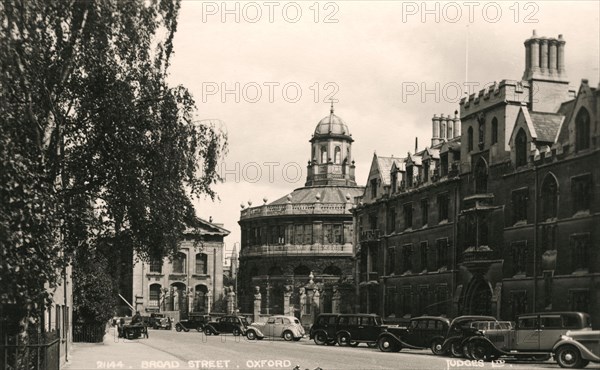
<point x="88" y="333"/>
<point x="40" y="352"/>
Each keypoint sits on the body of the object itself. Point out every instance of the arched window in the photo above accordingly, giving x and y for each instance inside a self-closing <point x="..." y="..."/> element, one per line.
<point x="549" y="197"/>
<point x="301" y="271"/>
<point x="332" y="270"/>
<point x="179" y="263"/>
<point x="521" y="148"/>
<point x="470" y="139"/>
<point x="201" y="264"/>
<point x="582" y="130"/>
<point x="337" y="159"/>
<point x="200" y="298"/>
<point x="323" y="154"/>
<point x="481" y="177"/>
<point x="155" y="290"/>
<point x="494" y="130"/>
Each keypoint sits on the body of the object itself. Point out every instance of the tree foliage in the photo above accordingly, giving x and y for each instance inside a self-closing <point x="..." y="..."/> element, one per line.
<point x="97" y="151"/>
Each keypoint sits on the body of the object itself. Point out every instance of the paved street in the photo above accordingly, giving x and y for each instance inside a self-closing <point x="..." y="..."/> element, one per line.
<point x="169" y="349"/>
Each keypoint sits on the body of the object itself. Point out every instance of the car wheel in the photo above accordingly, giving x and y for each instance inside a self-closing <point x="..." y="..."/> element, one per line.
<point x="331" y="342"/>
<point x="199" y="328"/>
<point x="456" y="350"/>
<point x="481" y="351"/>
<point x="386" y="344"/>
<point x="207" y="331"/>
<point x="288" y="335"/>
<point x="178" y="328"/>
<point x="437" y="347"/>
<point x="569" y="357"/>
<point x="320" y="338"/>
<point x="297" y="339"/>
<point x="354" y="344"/>
<point x="372" y="344"/>
<point x="343" y="339"/>
<point x="251" y="335"/>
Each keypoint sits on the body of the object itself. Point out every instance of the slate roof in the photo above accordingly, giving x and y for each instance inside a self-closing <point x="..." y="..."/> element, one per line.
<point x="329" y="194"/>
<point x="385" y="166"/>
<point x="546" y="125"/>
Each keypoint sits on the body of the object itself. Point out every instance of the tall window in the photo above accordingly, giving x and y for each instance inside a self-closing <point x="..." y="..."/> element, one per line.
<point x="394" y="181"/>
<point x="391" y="260"/>
<point x="337" y="158"/>
<point x="444" y="164"/>
<point x="179" y="263"/>
<point x="442" y="253"/>
<point x="323" y="154"/>
<point x="327" y="234"/>
<point x="423" y="251"/>
<point x="494" y="130"/>
<point x="156" y="265"/>
<point x="409" y="176"/>
<point x="408" y="216"/>
<point x="519" y="257"/>
<point x="425" y="211"/>
<point x="308" y="239"/>
<point x="407" y="257"/>
<point x="580" y="245"/>
<point x="426" y="171"/>
<point x="470" y="139"/>
<point x="373" y="188"/>
<point x="519" y="204"/>
<point x="201" y="264"/>
<point x="337" y="234"/>
<point x="549" y="197"/>
<point x="392" y="220"/>
<point x="481" y="177"/>
<point x="582" y="130"/>
<point x="442" y="203"/>
<point x="481" y="133"/>
<point x="154" y="295"/>
<point x="521" y="148"/>
<point x="581" y="191"/>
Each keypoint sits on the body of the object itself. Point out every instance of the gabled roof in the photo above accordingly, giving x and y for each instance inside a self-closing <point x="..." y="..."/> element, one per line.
<point x="431" y="153"/>
<point x="384" y="165"/>
<point x="204" y="227"/>
<point x="546" y="126"/>
<point x="414" y="159"/>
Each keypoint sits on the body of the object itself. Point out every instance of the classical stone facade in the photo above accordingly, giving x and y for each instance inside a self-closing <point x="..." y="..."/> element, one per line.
<point x="500" y="218"/>
<point x="304" y="239"/>
<point x="191" y="282"/>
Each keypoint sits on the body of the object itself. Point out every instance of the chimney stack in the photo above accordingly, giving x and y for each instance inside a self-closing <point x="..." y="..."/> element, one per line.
<point x="456" y="124"/>
<point x="544" y="58"/>
<point x="435" y="128"/>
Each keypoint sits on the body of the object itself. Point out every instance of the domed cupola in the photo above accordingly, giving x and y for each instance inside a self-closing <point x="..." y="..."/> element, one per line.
<point x="331" y="155"/>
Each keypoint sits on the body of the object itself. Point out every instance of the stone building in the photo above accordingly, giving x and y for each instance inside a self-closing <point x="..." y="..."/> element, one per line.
<point x="304" y="239"/>
<point x="191" y="282"/>
<point x="501" y="220"/>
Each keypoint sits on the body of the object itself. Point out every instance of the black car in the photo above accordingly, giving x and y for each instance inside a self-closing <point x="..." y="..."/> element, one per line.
<point x="459" y="331"/>
<point x="323" y="331"/>
<point x="236" y="325"/>
<point x="159" y="321"/>
<point x="422" y="332"/>
<point x="194" y="321"/>
<point x="352" y="329"/>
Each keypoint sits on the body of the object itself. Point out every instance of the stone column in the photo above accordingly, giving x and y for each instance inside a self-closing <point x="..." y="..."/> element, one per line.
<point x="257" y="303"/>
<point x="288" y="309"/>
<point x="230" y="301"/>
<point x="316" y="303"/>
<point x="335" y="300"/>
<point x="302" y="301"/>
<point x="209" y="301"/>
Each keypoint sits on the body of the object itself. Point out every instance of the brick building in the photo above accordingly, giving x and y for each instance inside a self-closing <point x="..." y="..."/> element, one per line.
<point x="309" y="230"/>
<point x="499" y="215"/>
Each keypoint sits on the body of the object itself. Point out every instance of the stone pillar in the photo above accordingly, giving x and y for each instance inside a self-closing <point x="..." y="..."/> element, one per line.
<point x="257" y="303"/>
<point x="230" y="301"/>
<point x="335" y="300"/>
<point x="288" y="309"/>
<point x="209" y="301"/>
<point x="316" y="303"/>
<point x="302" y="301"/>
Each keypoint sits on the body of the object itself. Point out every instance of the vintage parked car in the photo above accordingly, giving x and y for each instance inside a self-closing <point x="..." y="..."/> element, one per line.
<point x="577" y="348"/>
<point x="286" y="327"/>
<point x="422" y="332"/>
<point x="353" y="329"/>
<point x="194" y="321"/>
<point x="236" y="325"/>
<point x="159" y="321"/>
<point x="323" y="331"/>
<point x="535" y="336"/>
<point x="460" y="329"/>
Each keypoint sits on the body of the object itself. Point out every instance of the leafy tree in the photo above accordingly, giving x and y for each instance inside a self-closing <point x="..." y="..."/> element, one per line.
<point x="98" y="154"/>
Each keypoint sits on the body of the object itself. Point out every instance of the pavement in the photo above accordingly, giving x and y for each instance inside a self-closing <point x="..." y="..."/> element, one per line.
<point x="113" y="354"/>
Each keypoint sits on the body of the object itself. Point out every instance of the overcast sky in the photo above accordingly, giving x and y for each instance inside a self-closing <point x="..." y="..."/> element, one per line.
<point x="377" y="58"/>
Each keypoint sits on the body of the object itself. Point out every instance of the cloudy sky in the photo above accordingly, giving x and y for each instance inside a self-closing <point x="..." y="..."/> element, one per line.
<point x="267" y="69"/>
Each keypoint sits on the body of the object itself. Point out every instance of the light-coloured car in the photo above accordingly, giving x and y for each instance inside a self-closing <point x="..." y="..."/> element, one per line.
<point x="577" y="348"/>
<point x="279" y="326"/>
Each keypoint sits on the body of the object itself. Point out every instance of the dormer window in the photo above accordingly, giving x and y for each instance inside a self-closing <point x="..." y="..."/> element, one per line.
<point x="394" y="181"/>
<point x="582" y="130"/>
<point x="444" y="164"/>
<point x="521" y="148"/>
<point x="373" y="188"/>
<point x="409" y="176"/>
